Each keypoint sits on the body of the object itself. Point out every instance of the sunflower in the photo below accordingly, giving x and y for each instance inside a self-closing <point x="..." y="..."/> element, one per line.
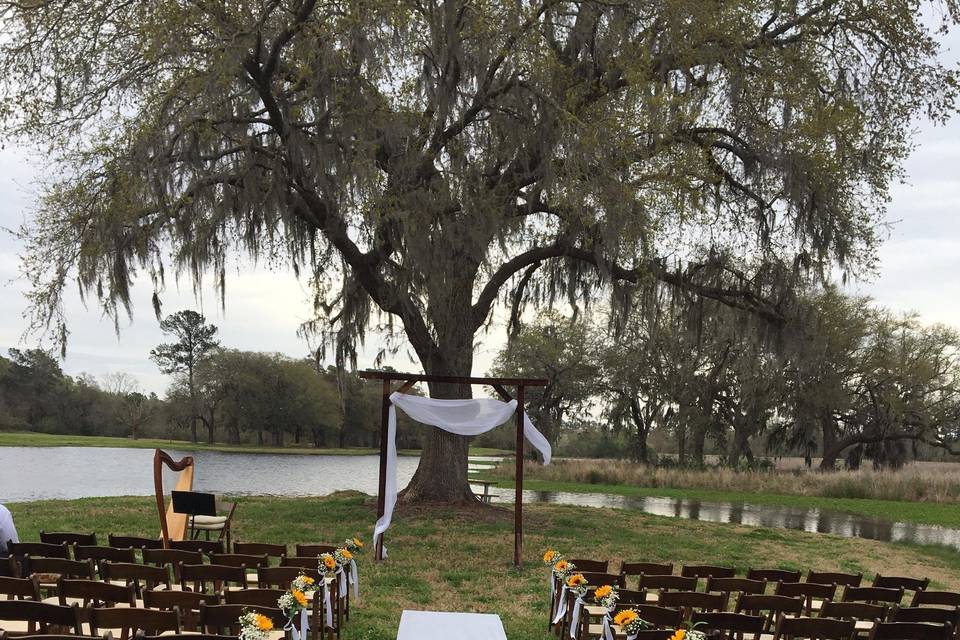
<point x="563" y="565"/>
<point x="329" y="563"/>
<point x="300" y="597"/>
<point x="603" y="591"/>
<point x="625" y="617"/>
<point x="307" y="580"/>
<point x="576" y="580"/>
<point x="680" y="634"/>
<point x="263" y="622"/>
<point x="549" y="556"/>
<point x="357" y="542"/>
<point x="346" y="554"/>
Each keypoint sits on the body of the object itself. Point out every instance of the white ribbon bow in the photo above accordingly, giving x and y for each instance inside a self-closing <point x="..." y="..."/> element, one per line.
<point x="301" y="632"/>
<point x="341" y="583"/>
<point x="328" y="610"/>
<point x="561" y="606"/>
<point x="575" y="616"/>
<point x="607" y="631"/>
<point x="355" y="579"/>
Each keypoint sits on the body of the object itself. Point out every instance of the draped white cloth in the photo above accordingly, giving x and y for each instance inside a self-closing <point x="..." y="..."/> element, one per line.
<point x="462" y="417"/>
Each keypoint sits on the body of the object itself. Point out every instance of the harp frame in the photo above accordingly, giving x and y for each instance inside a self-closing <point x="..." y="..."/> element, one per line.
<point x="172" y="525"/>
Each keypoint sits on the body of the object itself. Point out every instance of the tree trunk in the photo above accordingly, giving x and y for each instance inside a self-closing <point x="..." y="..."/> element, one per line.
<point x="442" y="473"/>
<point x="830" y="450"/>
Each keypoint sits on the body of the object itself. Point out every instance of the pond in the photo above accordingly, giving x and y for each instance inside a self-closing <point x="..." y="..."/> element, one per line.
<point x="38" y="473"/>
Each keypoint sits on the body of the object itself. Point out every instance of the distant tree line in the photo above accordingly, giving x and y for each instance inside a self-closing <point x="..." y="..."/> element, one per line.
<point x="224" y="394"/>
<point x="842" y="381"/>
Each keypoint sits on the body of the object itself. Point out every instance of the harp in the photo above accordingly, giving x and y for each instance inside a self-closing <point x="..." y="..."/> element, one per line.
<point x="173" y="526"/>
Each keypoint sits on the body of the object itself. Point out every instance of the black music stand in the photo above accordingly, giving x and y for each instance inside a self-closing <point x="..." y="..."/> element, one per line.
<point x="194" y="503"/>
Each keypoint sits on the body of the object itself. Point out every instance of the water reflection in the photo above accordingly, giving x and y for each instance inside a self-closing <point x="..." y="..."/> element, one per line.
<point x="812" y="520"/>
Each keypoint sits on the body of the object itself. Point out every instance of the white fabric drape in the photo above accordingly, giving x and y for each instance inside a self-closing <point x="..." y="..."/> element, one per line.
<point x="462" y="417"/>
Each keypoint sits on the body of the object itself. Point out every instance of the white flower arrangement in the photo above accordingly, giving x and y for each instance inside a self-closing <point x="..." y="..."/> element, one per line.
<point x="254" y="626"/>
<point x="606" y="596"/>
<point x="353" y="545"/>
<point x="303" y="583"/>
<point x="327" y="564"/>
<point x="577" y="584"/>
<point x="343" y="556"/>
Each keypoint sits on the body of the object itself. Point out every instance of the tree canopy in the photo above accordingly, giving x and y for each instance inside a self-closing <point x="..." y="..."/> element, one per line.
<point x="422" y="161"/>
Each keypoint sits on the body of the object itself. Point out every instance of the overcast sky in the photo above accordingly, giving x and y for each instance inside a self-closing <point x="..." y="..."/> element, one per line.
<point x="920" y="263"/>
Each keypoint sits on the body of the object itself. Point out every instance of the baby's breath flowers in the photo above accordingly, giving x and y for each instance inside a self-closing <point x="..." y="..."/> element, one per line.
<point x="630" y="622"/>
<point x="327" y="564"/>
<point x="254" y="626"/>
<point x="606" y="596"/>
<point x="577" y="583"/>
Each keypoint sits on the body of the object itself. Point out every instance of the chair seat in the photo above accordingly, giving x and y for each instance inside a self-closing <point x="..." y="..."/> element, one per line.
<point x="209" y="523"/>
<point x="15" y="626"/>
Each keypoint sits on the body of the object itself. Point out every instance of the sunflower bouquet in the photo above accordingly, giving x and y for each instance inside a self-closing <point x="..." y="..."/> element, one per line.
<point x="292" y="602"/>
<point x="254" y="626"/>
<point x="630" y="622"/>
<point x="577" y="583"/>
<point x="690" y="633"/>
<point x="303" y="583"/>
<point x="353" y="545"/>
<point x="343" y="556"/>
<point x="563" y="568"/>
<point x="327" y="564"/>
<point x="551" y="557"/>
<point x="606" y="596"/>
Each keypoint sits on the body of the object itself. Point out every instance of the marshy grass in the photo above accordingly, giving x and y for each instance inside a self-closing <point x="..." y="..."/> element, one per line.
<point x="934" y="482"/>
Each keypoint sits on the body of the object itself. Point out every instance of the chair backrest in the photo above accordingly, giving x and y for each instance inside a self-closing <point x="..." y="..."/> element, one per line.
<point x="668" y="583"/>
<point x="691" y="601"/>
<point x="186" y="602"/>
<point x="757" y="603"/>
<point x="40" y="615"/>
<point x="38" y="550"/>
<point x="814" y="629"/>
<point x="901" y="582"/>
<point x="707" y="571"/>
<point x="239" y="560"/>
<point x="872" y="594"/>
<point x="853" y="610"/>
<point x="113" y="554"/>
<point x="774" y="575"/>
<point x="135" y="542"/>
<point x="806" y="590"/>
<point x="281" y="577"/>
<point x="911" y="631"/>
<point x="260" y="549"/>
<point x="99" y="594"/>
<point x="141" y="576"/>
<point x="160" y="557"/>
<point x="9" y="567"/>
<point x="736" y="585"/>
<point x="204" y="546"/>
<point x="631" y="597"/>
<point x="131" y="619"/>
<point x="835" y="578"/>
<point x="253" y="597"/>
<point x="936" y="599"/>
<point x="224" y="617"/>
<point x="20" y="588"/>
<point x="650" y="568"/>
<point x="663" y="617"/>
<point x="926" y="614"/>
<point x="592" y="566"/>
<point x="83" y="569"/>
<point x="202" y="576"/>
<point x="596" y="579"/>
<point x="729" y="624"/>
<point x="68" y="537"/>
<point x="314" y="549"/>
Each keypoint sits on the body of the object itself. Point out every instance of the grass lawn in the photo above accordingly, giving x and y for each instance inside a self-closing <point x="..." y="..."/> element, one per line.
<point x="945" y="515"/>
<point x="460" y="559"/>
<point x="31" y="439"/>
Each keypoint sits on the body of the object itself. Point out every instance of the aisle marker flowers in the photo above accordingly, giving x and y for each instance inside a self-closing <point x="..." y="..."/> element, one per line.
<point x="254" y="626"/>
<point x="630" y="622"/>
<point x="295" y="602"/>
<point x="577" y="584"/>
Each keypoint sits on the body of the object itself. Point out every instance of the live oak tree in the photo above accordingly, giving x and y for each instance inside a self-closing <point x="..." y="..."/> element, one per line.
<point x="195" y="340"/>
<point x="422" y="161"/>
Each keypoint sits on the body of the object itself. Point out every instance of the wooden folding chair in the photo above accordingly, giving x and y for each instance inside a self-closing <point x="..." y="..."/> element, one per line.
<point x="701" y="571"/>
<point x="49" y="570"/>
<point x="28" y="616"/>
<point x="838" y="579"/>
<point x="68" y="537"/>
<point x="693" y="601"/>
<point x="129" y="620"/>
<point x="723" y="625"/>
<point x="772" y="607"/>
<point x="223" y="618"/>
<point x="666" y="620"/>
<point x="814" y="629"/>
<point x="662" y="583"/>
<point x="186" y="602"/>
<point x="773" y="576"/>
<point x="937" y="615"/>
<point x="101" y="554"/>
<point x="20" y="588"/>
<point x="901" y="582"/>
<point x="595" y="579"/>
<point x="210" y="578"/>
<point x="735" y="585"/>
<point x="95" y="593"/>
<point x="38" y="550"/>
<point x="241" y="560"/>
<point x="631" y="569"/>
<point x="911" y="631"/>
<point x="141" y="576"/>
<point x="313" y="550"/>
<point x="591" y="566"/>
<point x="811" y="592"/>
<point x="935" y="599"/>
<point x="864" y="614"/>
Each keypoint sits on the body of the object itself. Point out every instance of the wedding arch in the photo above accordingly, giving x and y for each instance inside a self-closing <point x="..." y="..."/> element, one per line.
<point x="464" y="417"/>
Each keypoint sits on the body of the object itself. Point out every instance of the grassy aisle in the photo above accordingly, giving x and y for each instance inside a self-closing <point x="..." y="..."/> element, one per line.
<point x="459" y="559"/>
<point x="32" y="439"/>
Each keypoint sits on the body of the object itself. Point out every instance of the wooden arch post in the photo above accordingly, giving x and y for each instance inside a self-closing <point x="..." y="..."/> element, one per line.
<point x="499" y="385"/>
